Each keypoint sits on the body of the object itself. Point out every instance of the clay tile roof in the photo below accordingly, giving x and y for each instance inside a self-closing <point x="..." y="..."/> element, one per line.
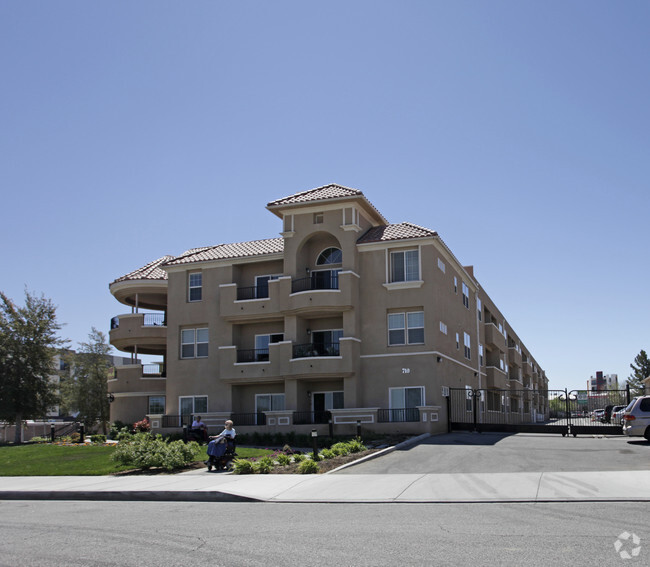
<point x="151" y="271"/>
<point x="401" y="231"/>
<point x="228" y="251"/>
<point x="331" y="191"/>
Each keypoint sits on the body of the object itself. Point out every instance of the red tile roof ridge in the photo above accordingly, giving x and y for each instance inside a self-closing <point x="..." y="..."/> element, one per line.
<point x="329" y="191"/>
<point x="397" y="231"/>
<point x="231" y="250"/>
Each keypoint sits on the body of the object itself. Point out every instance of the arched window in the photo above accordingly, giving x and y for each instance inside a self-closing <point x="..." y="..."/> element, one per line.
<point x="329" y="256"/>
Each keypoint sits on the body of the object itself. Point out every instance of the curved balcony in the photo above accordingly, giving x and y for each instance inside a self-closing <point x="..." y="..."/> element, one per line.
<point x="336" y="293"/>
<point x="145" y="294"/>
<point x="146" y="332"/>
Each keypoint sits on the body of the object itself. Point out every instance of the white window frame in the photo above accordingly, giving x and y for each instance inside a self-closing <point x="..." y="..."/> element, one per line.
<point x="467" y="343"/>
<point x="403" y="389"/>
<point x="443" y="328"/>
<point x="195" y="342"/>
<point x="405" y="327"/>
<point x="479" y="308"/>
<point x="480" y="355"/>
<point x="441" y="265"/>
<point x="457" y="341"/>
<point x="329" y="399"/>
<point x="164" y="404"/>
<point x="465" y="291"/>
<point x="200" y="411"/>
<point x="273" y="402"/>
<point x="192" y="286"/>
<point x="455" y="284"/>
<point x="319" y="218"/>
<point x="394" y="261"/>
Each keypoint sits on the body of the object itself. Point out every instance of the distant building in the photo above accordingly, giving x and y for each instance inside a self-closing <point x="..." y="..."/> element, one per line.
<point x="602" y="382"/>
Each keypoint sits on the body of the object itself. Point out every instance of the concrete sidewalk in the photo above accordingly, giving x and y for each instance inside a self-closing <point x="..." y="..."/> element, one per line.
<point x="199" y="485"/>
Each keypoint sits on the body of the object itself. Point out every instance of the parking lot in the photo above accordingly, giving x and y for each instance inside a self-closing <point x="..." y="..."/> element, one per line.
<point x="503" y="453"/>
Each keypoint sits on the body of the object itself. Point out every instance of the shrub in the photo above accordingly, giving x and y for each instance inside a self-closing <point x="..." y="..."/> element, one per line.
<point x="98" y="438"/>
<point x="356" y="445"/>
<point x="40" y="439"/>
<point x="299" y="458"/>
<point x="308" y="467"/>
<point x="263" y="466"/>
<point x="145" y="451"/>
<point x="116" y="427"/>
<point x="340" y="449"/>
<point x="283" y="460"/>
<point x="242" y="466"/>
<point x="327" y="454"/>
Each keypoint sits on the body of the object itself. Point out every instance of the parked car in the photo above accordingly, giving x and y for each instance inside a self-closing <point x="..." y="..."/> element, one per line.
<point x="636" y="419"/>
<point x="617" y="414"/>
<point x="597" y="415"/>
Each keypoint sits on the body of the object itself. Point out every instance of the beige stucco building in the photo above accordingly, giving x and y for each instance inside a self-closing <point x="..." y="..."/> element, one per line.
<point x="344" y="318"/>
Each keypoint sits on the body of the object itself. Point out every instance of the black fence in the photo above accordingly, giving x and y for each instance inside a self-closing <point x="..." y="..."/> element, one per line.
<point x="316" y="349"/>
<point x="253" y="355"/>
<point x="398" y="415"/>
<point x="554" y="411"/>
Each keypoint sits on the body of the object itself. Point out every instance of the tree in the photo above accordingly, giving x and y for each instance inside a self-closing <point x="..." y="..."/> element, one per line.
<point x="87" y="389"/>
<point x="28" y="343"/>
<point x="640" y="371"/>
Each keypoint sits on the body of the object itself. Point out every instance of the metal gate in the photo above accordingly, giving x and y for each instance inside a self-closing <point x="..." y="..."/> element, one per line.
<point x="566" y="412"/>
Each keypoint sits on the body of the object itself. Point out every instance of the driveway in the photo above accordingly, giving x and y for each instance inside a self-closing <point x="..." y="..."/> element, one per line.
<point x="504" y="453"/>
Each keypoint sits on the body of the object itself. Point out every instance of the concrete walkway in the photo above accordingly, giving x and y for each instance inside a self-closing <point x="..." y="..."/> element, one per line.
<point x="350" y="488"/>
<point x="462" y="486"/>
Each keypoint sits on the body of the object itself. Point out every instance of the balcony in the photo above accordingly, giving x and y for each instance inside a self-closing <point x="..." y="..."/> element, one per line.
<point x="496" y="378"/>
<point x="138" y="378"/>
<point x="514" y="357"/>
<point x="321" y="292"/>
<point x="286" y="359"/>
<point x="494" y="338"/>
<point x="145" y="331"/>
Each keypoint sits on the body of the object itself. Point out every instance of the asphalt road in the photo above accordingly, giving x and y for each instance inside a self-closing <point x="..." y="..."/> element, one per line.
<point x="523" y="452"/>
<point x="79" y="534"/>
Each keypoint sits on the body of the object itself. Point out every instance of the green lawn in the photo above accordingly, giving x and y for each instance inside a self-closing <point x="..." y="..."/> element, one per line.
<point x="68" y="460"/>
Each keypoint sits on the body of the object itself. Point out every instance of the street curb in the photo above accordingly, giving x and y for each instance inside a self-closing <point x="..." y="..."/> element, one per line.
<point x="128" y="496"/>
<point x="402" y="445"/>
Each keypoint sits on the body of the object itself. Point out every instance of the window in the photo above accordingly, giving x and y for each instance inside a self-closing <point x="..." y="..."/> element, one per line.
<point x="468" y="346"/>
<point x="325" y="401"/>
<point x="405" y="266"/>
<point x="465" y="295"/>
<point x="443" y="328"/>
<point x="480" y="355"/>
<point x="441" y="265"/>
<point x="406" y="328"/>
<point x="195" y="286"/>
<point x="455" y="284"/>
<point x="194" y="343"/>
<point x="269" y="402"/>
<point x="156" y="404"/>
<point x="404" y="402"/>
<point x="457" y="342"/>
<point x="501" y="364"/>
<point x="329" y="256"/>
<point x="193" y="405"/>
<point x="318" y="218"/>
<point x="479" y="309"/>
<point x="262" y="285"/>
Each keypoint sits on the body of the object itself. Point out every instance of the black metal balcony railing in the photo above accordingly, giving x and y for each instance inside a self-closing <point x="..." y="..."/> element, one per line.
<point x="398" y="415"/>
<point x="253" y="355"/>
<point x="311" y="417"/>
<point x="252" y="292"/>
<point x="317" y="280"/>
<point x="154" y="320"/>
<point x="316" y="349"/>
<point x="157" y="369"/>
<point x="177" y="420"/>
<point x="258" y="418"/>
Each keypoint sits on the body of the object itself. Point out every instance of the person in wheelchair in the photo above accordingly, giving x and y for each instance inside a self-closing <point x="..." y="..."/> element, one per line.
<point x="221" y="447"/>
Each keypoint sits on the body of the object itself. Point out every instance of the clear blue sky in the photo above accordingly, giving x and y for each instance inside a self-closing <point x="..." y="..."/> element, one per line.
<point x="520" y="131"/>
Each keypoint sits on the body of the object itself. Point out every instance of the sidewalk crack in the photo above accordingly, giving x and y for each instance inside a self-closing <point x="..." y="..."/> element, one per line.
<point x="409" y="486"/>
